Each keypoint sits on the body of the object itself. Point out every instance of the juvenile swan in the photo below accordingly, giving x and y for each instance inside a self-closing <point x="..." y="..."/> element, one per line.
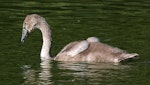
<point x="91" y="49"/>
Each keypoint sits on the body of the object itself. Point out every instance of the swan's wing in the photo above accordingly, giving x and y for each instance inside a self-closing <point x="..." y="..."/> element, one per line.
<point x="75" y="48"/>
<point x="105" y="53"/>
<point x="68" y="47"/>
<point x="78" y="48"/>
<point x="95" y="52"/>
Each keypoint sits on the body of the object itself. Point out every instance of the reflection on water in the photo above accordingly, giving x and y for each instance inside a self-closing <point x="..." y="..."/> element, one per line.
<point x="38" y="77"/>
<point x="45" y="74"/>
<point x="94" y="73"/>
<point x="74" y="72"/>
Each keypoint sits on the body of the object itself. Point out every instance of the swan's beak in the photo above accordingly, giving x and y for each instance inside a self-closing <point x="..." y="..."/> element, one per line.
<point x="24" y="35"/>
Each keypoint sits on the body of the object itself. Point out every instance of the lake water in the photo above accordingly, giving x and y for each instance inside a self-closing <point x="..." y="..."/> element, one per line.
<point x="121" y="23"/>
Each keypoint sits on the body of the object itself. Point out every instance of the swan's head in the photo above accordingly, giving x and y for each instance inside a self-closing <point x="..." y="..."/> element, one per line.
<point x="30" y="23"/>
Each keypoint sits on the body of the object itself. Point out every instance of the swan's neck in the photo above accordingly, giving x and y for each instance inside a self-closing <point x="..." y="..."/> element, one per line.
<point x="46" y="34"/>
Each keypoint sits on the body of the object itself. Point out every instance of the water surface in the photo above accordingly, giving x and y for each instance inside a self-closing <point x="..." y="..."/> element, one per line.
<point x="120" y="23"/>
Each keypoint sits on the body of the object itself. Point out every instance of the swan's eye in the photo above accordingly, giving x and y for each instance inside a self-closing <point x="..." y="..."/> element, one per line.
<point x="34" y="25"/>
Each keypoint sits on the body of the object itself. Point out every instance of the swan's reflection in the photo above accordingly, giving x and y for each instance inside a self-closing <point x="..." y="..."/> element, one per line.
<point x="77" y="66"/>
<point x="94" y="73"/>
<point x="74" y="72"/>
<point x="38" y="77"/>
<point x="45" y="74"/>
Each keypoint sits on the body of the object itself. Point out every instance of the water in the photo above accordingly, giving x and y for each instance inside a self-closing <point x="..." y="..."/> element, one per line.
<point x="120" y="23"/>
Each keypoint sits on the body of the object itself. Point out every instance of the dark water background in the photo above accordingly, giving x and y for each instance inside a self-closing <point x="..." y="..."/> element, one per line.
<point x="121" y="23"/>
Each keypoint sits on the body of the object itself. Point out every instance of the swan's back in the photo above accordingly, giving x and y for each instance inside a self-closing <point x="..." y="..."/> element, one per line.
<point x="96" y="52"/>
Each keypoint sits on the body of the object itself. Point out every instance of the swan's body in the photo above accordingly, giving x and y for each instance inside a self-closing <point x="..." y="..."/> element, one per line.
<point x="87" y="50"/>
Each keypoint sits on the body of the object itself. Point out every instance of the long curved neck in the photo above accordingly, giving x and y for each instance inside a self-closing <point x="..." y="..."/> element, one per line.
<point x="46" y="34"/>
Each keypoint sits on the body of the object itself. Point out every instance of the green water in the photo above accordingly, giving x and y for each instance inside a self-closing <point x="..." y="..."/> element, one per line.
<point x="121" y="23"/>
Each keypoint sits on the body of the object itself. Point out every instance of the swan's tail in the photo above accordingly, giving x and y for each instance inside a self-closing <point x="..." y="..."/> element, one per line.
<point x="128" y="56"/>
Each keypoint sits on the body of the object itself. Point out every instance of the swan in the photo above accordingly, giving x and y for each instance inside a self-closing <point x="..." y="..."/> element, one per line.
<point x="89" y="50"/>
